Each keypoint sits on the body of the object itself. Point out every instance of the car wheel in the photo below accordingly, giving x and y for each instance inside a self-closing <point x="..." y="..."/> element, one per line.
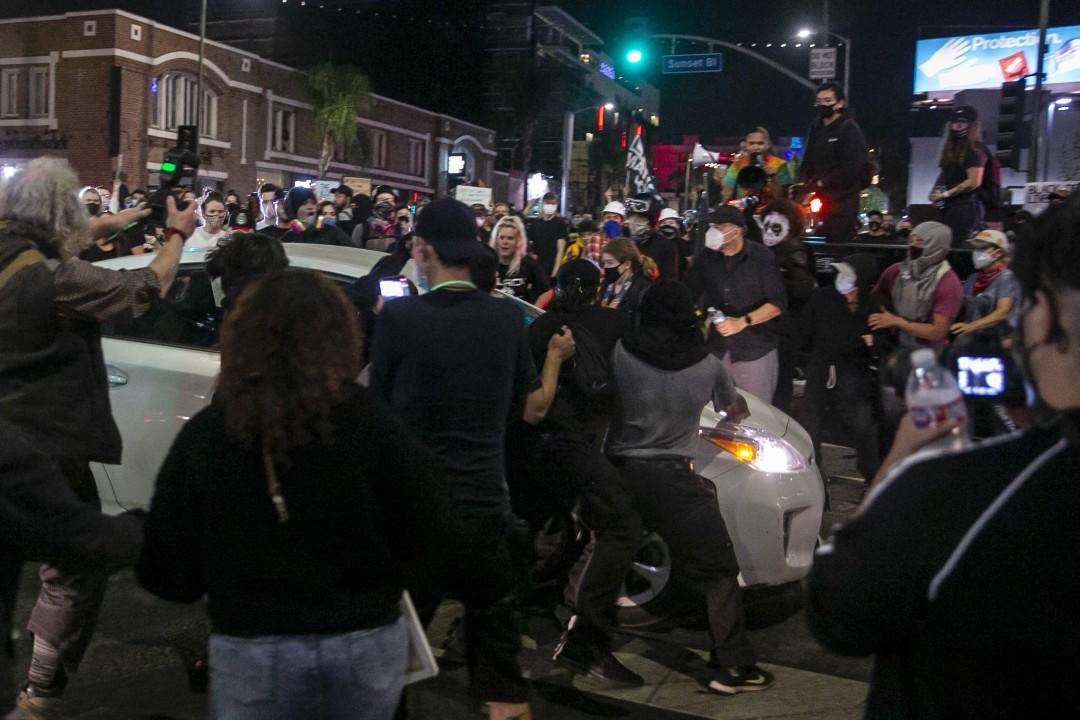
<point x="646" y="595"/>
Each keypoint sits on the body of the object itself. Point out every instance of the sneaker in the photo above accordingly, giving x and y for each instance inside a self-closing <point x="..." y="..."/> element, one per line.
<point x="749" y="678"/>
<point x="37" y="703"/>
<point x="594" y="661"/>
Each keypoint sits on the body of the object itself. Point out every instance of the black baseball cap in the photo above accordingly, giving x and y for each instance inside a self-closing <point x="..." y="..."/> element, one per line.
<point x="965" y="113"/>
<point x="449" y="226"/>
<point x="722" y="214"/>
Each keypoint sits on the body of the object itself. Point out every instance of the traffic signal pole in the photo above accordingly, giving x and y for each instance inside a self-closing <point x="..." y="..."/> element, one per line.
<point x="732" y="46"/>
<point x="1037" y="111"/>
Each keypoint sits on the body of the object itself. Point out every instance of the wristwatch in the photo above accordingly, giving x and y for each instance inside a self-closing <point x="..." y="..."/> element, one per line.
<point x="749" y="322"/>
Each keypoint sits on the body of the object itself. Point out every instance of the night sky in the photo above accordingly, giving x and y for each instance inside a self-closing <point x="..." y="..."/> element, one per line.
<point x="435" y="64"/>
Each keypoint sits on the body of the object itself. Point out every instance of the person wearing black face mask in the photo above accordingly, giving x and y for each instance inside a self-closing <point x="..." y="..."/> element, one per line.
<point x="836" y="162"/>
<point x="644" y="212"/>
<point x="963" y="164"/>
<point x="377" y="232"/>
<point x="951" y="572"/>
<point x="875" y="229"/>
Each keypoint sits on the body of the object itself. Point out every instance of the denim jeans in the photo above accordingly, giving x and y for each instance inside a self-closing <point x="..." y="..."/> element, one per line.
<point x="352" y="676"/>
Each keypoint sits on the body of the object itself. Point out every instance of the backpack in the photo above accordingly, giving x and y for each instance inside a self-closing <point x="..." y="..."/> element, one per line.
<point x="591" y="366"/>
<point x="989" y="192"/>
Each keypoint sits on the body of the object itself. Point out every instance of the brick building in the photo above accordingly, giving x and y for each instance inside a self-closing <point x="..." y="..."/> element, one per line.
<point x="106" y="88"/>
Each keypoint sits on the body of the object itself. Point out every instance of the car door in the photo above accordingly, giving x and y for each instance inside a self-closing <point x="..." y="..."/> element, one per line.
<point x="162" y="368"/>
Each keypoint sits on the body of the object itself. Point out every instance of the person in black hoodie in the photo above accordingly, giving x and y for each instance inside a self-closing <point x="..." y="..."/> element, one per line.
<point x="841" y="347"/>
<point x="297" y="221"/>
<point x="835" y="163"/>
<point x="41" y="519"/>
<point x="564" y="465"/>
<point x="665" y="374"/>
<point x="782" y="225"/>
<point x="644" y="213"/>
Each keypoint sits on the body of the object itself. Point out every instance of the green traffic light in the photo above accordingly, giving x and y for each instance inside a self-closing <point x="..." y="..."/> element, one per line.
<point x="634" y="56"/>
<point x="168" y="167"/>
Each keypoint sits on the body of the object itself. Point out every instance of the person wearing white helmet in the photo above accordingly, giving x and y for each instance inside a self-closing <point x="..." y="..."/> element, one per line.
<point x="612" y="218"/>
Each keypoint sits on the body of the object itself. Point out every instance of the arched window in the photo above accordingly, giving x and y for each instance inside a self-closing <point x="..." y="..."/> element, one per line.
<point x="173" y="103"/>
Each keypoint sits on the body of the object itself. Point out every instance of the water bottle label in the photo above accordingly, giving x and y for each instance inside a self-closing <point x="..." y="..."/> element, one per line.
<point x="938" y="415"/>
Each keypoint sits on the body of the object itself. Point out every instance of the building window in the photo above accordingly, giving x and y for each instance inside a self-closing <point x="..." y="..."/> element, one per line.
<point x="39" y="92"/>
<point x="378" y="148"/>
<point x="9" y="93"/>
<point x="173" y="103"/>
<point x="284" y="130"/>
<point x="416" y="158"/>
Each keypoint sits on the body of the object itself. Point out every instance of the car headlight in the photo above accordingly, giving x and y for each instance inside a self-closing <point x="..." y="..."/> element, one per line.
<point x="758" y="448"/>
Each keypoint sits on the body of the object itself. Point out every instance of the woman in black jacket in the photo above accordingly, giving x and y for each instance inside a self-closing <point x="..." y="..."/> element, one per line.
<point x="627" y="274"/>
<point x="841" y="348"/>
<point x="294" y="502"/>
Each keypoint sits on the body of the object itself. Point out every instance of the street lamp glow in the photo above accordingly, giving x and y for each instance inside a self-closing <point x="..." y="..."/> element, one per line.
<point x="805" y="33"/>
<point x="609" y="106"/>
<point x="634" y="56"/>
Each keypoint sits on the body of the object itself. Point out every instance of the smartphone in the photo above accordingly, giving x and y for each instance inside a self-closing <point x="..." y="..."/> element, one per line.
<point x="394" y="287"/>
<point x="982" y="376"/>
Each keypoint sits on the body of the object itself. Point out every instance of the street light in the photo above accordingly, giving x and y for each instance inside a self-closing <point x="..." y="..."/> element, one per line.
<point x="568" y="146"/>
<point x="633" y="57"/>
<point x="807" y="32"/>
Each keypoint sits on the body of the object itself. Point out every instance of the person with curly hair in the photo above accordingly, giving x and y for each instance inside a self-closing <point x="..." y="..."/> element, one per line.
<point x="625" y="274"/>
<point x="294" y="503"/>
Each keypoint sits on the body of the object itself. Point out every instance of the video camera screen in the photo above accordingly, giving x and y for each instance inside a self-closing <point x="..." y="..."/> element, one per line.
<point x="981" y="376"/>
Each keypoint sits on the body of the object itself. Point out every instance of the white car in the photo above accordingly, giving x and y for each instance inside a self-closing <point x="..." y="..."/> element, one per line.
<point x="162" y="368"/>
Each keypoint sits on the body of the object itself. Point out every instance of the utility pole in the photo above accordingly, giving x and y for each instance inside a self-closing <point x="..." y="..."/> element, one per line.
<point x="1037" y="111"/>
<point x="199" y="85"/>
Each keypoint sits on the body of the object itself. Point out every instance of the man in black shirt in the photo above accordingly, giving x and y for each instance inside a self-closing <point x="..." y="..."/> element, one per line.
<point x="548" y="234"/>
<point x="453" y="363"/>
<point x="957" y="570"/>
<point x="740" y="279"/>
<point x="835" y="163"/>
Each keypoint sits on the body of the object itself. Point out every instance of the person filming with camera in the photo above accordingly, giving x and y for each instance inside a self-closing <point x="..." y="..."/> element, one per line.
<point x="955" y="571"/>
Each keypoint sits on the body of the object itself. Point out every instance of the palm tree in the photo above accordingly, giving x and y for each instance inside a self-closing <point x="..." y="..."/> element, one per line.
<point x="339" y="94"/>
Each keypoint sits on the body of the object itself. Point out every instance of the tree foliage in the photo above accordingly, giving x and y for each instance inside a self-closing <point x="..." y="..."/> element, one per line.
<point x="339" y="93"/>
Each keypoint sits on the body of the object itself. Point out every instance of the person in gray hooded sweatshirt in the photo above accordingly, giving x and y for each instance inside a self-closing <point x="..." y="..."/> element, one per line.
<point x="921" y="298"/>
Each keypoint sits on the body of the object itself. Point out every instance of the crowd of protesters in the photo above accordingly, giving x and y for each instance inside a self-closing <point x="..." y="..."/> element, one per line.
<point x="363" y="447"/>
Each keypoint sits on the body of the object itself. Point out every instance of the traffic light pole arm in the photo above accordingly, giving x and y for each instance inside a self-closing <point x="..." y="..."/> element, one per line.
<point x="750" y="53"/>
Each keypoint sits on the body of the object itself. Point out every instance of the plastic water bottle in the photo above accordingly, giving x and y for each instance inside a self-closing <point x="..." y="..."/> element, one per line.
<point x="934" y="399"/>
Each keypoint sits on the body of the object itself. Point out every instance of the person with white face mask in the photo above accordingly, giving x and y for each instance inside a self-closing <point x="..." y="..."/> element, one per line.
<point x="781" y="231"/>
<point x="741" y="279"/>
<point x="991" y="294"/>
<point x="549" y="234"/>
<point x="213" y="228"/>
<point x="840" y="352"/>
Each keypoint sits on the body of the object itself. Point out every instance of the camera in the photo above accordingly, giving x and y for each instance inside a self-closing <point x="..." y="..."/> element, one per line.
<point x="180" y="167"/>
<point x="991" y="378"/>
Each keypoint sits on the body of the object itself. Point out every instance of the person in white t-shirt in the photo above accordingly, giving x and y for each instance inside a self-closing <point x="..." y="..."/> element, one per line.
<point x="213" y="229"/>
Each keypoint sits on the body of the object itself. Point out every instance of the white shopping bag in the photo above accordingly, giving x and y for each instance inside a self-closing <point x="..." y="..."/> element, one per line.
<point x="421" y="664"/>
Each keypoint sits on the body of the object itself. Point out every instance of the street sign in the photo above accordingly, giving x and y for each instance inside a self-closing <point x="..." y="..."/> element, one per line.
<point x="822" y="63"/>
<point x="701" y="63"/>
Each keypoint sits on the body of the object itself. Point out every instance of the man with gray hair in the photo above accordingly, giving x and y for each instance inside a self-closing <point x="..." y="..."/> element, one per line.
<point x="53" y="385"/>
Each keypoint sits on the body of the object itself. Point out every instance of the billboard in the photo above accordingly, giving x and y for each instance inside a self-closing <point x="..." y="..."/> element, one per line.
<point x="970" y="62"/>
